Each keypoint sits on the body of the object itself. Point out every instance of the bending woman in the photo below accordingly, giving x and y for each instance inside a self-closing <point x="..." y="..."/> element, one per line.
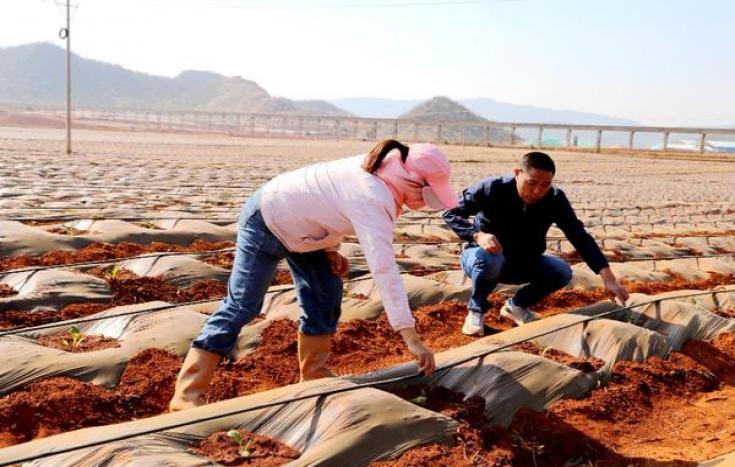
<point x="302" y="217"/>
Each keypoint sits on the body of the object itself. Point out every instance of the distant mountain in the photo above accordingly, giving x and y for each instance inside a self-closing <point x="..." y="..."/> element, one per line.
<point x="439" y="109"/>
<point x="33" y="74"/>
<point x="443" y="109"/>
<point x="375" y="107"/>
<point x="485" y="107"/>
<point x="501" y="111"/>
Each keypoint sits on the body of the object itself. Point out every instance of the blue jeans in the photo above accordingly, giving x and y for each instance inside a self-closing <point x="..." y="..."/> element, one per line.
<point x="256" y="256"/>
<point x="543" y="276"/>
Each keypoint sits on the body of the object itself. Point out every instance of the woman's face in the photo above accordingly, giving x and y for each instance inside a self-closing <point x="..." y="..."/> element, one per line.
<point x="414" y="198"/>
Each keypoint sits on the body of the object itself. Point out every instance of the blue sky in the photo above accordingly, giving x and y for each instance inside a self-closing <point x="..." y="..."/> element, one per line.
<point x="654" y="61"/>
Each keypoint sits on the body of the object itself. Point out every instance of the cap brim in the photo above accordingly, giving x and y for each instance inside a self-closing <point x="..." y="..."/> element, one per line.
<point x="446" y="197"/>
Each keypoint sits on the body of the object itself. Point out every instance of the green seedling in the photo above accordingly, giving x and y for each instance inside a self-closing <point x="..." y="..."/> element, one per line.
<point x="421" y="399"/>
<point x="115" y="271"/>
<point x="76" y="338"/>
<point x="243" y="446"/>
<point x="147" y="224"/>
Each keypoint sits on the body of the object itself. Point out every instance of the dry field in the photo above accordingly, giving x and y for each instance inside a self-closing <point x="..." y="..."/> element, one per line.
<point x="112" y="259"/>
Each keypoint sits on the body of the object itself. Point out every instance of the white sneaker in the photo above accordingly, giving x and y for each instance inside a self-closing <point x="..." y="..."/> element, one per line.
<point x="474" y="324"/>
<point x="517" y="314"/>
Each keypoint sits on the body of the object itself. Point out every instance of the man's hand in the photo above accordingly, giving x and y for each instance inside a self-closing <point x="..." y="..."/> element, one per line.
<point x="615" y="290"/>
<point x="488" y="242"/>
<point x="423" y="355"/>
<point x="339" y="264"/>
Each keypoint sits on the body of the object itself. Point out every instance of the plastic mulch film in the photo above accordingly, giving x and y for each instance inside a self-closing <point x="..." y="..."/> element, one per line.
<point x="507" y="380"/>
<point x="26" y="361"/>
<point x="679" y="319"/>
<point x="18" y="238"/>
<point x="350" y="428"/>
<point x="52" y="289"/>
<point x="282" y="303"/>
<point x="727" y="460"/>
<point x="605" y="339"/>
<point x="180" y="271"/>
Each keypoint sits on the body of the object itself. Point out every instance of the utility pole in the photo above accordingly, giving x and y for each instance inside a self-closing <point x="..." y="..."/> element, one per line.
<point x="65" y="34"/>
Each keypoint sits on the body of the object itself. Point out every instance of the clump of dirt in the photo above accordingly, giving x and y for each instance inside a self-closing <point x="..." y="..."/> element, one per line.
<point x="532" y="438"/>
<point x="586" y="365"/>
<point x="147" y="385"/>
<point x="105" y="251"/>
<point x="67" y="231"/>
<point x="22" y="318"/>
<point x="282" y="277"/>
<point x="223" y="259"/>
<point x="358" y="347"/>
<point x="127" y="289"/>
<point x="66" y="343"/>
<point x="60" y="404"/>
<point x="261" y="451"/>
<point x="56" y="405"/>
<point x="573" y="257"/>
<point x="273" y="364"/>
<point x="679" y="283"/>
<point x="565" y="300"/>
<point x="717" y="355"/>
<point x="419" y="270"/>
<point x="568" y="299"/>
<point x="634" y="386"/>
<point x="429" y="239"/>
<point x="725" y="312"/>
<point x="7" y="291"/>
<point x="357" y="296"/>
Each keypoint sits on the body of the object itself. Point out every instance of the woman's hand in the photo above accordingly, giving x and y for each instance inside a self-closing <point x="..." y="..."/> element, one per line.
<point x="339" y="264"/>
<point x="424" y="356"/>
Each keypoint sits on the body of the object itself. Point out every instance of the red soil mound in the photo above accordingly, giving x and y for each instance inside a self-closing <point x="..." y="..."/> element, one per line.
<point x="147" y="385"/>
<point x="358" y="347"/>
<point x="718" y="356"/>
<point x="60" y="404"/>
<point x="11" y="319"/>
<point x="532" y="439"/>
<point x="7" y="291"/>
<point x="629" y="396"/>
<point x="262" y="451"/>
<point x="56" y="405"/>
<point x="273" y="364"/>
<point x="586" y="365"/>
<point x="88" y="344"/>
<point x="106" y="251"/>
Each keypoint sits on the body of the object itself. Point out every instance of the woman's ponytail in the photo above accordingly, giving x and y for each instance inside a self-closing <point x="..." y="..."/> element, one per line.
<point x="376" y="155"/>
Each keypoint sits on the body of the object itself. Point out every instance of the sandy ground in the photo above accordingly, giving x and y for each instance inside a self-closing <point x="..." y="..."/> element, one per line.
<point x="137" y="171"/>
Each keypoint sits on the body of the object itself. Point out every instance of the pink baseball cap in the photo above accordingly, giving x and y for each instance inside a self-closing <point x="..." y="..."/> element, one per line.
<point x="432" y="165"/>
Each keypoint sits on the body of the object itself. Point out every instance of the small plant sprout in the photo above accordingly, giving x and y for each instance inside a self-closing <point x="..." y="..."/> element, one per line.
<point x="243" y="446"/>
<point x="115" y="270"/>
<point x="421" y="399"/>
<point x="76" y="338"/>
<point x="148" y="224"/>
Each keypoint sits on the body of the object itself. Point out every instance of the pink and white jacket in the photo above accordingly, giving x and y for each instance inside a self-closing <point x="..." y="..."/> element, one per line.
<point x="314" y="207"/>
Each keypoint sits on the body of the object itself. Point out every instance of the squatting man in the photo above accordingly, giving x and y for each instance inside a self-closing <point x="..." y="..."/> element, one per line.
<point x="507" y="241"/>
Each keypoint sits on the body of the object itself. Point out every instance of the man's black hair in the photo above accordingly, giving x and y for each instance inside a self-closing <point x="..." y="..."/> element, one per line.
<point x="538" y="160"/>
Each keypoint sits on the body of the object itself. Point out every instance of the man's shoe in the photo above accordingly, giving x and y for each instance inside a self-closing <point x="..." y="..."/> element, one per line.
<point x="517" y="314"/>
<point x="474" y="324"/>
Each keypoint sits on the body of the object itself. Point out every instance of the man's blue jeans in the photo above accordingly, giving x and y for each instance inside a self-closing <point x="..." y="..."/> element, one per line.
<point x="256" y="256"/>
<point x="545" y="275"/>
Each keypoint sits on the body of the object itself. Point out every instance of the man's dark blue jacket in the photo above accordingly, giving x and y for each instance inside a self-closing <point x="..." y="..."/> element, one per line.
<point x="519" y="227"/>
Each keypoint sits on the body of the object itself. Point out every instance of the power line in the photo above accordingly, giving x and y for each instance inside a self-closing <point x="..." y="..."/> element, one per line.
<point x="325" y="6"/>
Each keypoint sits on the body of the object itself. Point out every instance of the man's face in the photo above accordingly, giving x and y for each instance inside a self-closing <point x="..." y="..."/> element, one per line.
<point x="533" y="184"/>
